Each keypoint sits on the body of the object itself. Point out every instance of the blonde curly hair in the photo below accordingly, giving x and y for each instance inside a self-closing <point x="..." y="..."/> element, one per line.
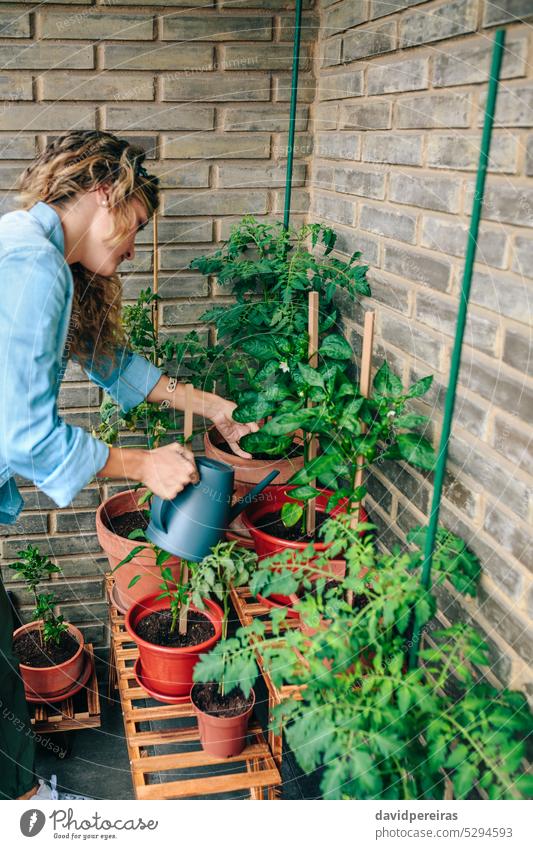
<point x="80" y="161"/>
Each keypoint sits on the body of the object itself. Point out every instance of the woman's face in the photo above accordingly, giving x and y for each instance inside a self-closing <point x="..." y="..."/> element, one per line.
<point x="99" y="256"/>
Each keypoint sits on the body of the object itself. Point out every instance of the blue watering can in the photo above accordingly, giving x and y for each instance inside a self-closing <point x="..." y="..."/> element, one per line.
<point x="193" y="522"/>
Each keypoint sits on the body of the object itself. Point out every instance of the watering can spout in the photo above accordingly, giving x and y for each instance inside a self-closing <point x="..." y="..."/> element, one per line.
<point x="237" y="509"/>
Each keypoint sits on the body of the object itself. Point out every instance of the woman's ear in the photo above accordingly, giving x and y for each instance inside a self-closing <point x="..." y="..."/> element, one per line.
<point x="102" y="194"/>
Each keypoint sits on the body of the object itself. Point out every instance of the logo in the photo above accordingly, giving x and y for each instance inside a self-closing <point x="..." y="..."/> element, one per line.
<point x="32" y="822"/>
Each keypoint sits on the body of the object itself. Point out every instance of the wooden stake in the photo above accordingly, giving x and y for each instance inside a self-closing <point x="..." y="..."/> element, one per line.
<point x="364" y="386"/>
<point x="187" y="433"/>
<point x="312" y="444"/>
<point x="155" y="286"/>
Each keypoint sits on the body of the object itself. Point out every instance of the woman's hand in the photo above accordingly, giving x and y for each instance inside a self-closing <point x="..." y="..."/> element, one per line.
<point x="168" y="470"/>
<point x="232" y="431"/>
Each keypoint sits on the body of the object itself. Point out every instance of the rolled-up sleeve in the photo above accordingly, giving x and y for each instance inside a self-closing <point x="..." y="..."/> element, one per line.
<point x="128" y="380"/>
<point x="34" y="441"/>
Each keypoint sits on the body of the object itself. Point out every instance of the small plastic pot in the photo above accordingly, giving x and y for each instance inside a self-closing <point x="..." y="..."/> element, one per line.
<point x="168" y="669"/>
<point x="222" y="736"/>
<point x="49" y="682"/>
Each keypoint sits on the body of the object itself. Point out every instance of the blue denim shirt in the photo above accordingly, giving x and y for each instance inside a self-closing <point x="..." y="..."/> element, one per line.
<point x="35" y="306"/>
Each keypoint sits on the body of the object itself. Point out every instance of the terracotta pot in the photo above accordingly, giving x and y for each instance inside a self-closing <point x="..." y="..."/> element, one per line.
<point x="222" y="736"/>
<point x="48" y="682"/>
<point x="266" y="545"/>
<point x="248" y="472"/>
<point x="168" y="670"/>
<point x="117" y="548"/>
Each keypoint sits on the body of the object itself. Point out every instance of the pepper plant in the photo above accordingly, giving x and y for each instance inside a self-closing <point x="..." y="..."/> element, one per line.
<point x="33" y="568"/>
<point x="353" y="431"/>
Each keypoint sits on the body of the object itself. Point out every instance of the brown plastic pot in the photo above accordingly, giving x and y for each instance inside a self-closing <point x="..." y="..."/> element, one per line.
<point x="248" y="472"/>
<point x="49" y="682"/>
<point x="168" y="669"/>
<point x="222" y="736"/>
<point x="117" y="547"/>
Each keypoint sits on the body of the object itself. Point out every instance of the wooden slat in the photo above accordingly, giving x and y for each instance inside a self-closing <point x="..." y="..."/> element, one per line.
<point x="144" y="764"/>
<point x="210" y="785"/>
<point x="63" y="716"/>
<point x="187" y="760"/>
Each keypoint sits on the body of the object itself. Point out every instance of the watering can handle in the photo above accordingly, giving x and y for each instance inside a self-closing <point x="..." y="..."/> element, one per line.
<point x="156" y="512"/>
<point x="249" y="497"/>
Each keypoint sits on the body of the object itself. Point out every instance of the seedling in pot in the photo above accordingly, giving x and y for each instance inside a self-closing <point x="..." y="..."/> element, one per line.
<point x="33" y="568"/>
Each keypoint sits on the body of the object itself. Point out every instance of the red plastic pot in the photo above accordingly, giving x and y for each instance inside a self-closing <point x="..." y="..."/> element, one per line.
<point x="272" y="500"/>
<point x="49" y="682"/>
<point x="117" y="548"/>
<point x="222" y="736"/>
<point x="248" y="472"/>
<point x="168" y="670"/>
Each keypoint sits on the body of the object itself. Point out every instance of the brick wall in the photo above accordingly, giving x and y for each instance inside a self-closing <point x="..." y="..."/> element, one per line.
<point x="401" y="89"/>
<point x="204" y="87"/>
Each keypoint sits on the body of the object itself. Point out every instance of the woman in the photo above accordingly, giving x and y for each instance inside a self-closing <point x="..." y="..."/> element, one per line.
<point x="83" y="200"/>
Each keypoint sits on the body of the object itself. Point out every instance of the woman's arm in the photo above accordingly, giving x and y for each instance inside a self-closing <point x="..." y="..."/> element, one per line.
<point x="206" y="404"/>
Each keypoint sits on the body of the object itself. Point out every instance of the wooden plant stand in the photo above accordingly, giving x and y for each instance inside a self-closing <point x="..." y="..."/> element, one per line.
<point x="174" y="746"/>
<point x="79" y="711"/>
<point x="249" y="608"/>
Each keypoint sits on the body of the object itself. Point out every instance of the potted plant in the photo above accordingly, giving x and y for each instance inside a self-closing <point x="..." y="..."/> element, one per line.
<point x="171" y="633"/>
<point x="263" y="337"/>
<point x="378" y="730"/>
<point x="354" y="432"/>
<point x="225" y="703"/>
<point x="373" y="727"/>
<point x="50" y="651"/>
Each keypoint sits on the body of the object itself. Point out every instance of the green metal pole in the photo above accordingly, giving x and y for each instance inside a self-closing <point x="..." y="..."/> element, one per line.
<point x="449" y="404"/>
<point x="292" y="118"/>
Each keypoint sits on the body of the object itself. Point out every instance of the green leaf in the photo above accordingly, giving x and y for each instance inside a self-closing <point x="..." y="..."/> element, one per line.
<point x="417" y="450"/>
<point x="387" y="383"/>
<point x="458" y="755"/>
<point x="291" y="513"/>
<point x="420" y="387"/>
<point x="253" y="410"/>
<point x="349" y="418"/>
<point x="335" y="347"/>
<point x="303" y="493"/>
<point x="260" y="347"/>
<point x="410" y="420"/>
<point x="311" y="377"/>
<point x="134" y="581"/>
<point x="287" y="422"/>
<point x="133" y="553"/>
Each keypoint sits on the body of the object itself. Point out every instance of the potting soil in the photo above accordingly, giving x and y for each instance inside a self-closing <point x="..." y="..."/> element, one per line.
<point x="207" y="698"/>
<point x="126" y="523"/>
<point x="155" y="628"/>
<point x="29" y="652"/>
<point x="272" y="524"/>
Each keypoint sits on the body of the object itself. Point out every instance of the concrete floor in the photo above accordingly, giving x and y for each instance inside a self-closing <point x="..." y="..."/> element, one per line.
<point x="97" y="764"/>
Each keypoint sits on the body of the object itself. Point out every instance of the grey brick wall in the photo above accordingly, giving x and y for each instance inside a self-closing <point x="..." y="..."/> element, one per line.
<point x="400" y="95"/>
<point x="204" y="87"/>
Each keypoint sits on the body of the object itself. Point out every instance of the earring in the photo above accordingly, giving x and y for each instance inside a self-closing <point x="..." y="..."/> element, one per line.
<point x="104" y="203"/>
